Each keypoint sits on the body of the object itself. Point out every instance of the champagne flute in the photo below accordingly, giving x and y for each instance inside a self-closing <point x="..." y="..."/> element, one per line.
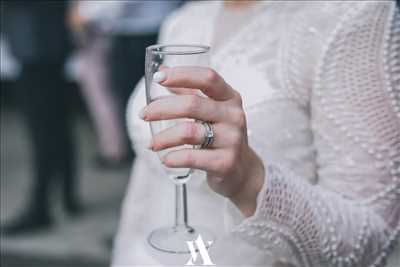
<point x="173" y="239"/>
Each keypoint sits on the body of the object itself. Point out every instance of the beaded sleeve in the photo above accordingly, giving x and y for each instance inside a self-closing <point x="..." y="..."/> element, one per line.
<point x="352" y="216"/>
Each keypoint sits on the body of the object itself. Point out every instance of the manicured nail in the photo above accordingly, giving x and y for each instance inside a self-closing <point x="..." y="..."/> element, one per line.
<point x="142" y="114"/>
<point x="159" y="76"/>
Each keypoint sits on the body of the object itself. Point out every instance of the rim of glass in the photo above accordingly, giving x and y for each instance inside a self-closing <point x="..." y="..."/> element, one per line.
<point x="190" y="49"/>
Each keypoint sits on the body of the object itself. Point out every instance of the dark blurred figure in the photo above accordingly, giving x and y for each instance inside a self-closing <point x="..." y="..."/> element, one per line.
<point x="88" y="21"/>
<point x="39" y="40"/>
<point x="135" y="26"/>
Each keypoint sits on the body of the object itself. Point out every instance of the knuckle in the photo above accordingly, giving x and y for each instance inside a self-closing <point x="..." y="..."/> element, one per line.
<point x="239" y="118"/>
<point x="192" y="104"/>
<point x="211" y="76"/>
<point x="236" y="138"/>
<point x="190" y="131"/>
<point x="238" y="98"/>
<point x="219" y="162"/>
<point x="229" y="162"/>
<point x="189" y="160"/>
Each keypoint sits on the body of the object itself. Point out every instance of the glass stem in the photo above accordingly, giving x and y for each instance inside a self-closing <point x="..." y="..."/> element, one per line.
<point x="181" y="214"/>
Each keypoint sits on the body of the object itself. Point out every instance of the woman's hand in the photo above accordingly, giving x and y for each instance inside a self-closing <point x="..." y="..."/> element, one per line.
<point x="233" y="169"/>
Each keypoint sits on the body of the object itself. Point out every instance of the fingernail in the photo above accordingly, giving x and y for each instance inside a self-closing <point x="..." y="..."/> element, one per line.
<point x="159" y="76"/>
<point x="142" y="114"/>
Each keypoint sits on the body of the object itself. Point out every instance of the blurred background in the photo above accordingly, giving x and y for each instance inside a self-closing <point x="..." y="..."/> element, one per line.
<point x="67" y="70"/>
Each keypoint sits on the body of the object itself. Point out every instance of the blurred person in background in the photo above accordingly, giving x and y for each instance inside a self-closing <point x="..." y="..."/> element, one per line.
<point x="135" y="26"/>
<point x="9" y="66"/>
<point x="89" y="22"/>
<point x="39" y="40"/>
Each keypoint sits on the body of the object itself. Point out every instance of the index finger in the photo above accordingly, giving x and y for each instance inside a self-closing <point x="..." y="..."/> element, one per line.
<point x="204" y="79"/>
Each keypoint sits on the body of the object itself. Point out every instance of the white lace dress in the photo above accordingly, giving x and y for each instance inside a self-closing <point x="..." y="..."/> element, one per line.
<point x="321" y="89"/>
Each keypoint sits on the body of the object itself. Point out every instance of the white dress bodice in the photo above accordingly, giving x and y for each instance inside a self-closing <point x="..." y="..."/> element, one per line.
<point x="320" y="86"/>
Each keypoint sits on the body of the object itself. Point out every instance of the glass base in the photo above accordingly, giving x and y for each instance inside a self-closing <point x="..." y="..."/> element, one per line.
<point x="174" y="239"/>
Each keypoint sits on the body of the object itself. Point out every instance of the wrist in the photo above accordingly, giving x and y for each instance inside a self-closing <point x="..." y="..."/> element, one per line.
<point x="246" y="198"/>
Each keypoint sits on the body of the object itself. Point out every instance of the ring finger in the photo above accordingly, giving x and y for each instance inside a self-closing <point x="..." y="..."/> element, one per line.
<point x="186" y="133"/>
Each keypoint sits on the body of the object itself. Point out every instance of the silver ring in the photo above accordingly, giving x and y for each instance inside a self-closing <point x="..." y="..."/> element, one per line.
<point x="208" y="136"/>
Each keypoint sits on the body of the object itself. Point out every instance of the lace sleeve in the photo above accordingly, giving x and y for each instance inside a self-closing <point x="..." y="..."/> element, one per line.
<point x="351" y="218"/>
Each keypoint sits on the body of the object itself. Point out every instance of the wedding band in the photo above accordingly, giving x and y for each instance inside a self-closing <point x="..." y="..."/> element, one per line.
<point x="208" y="136"/>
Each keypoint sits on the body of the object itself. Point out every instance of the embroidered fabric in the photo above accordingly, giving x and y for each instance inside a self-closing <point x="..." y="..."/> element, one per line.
<point x="321" y="89"/>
